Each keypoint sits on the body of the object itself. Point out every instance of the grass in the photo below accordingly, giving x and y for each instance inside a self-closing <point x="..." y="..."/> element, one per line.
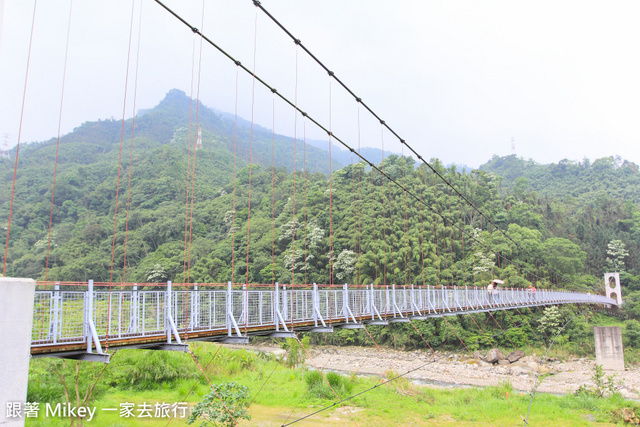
<point x="281" y="394"/>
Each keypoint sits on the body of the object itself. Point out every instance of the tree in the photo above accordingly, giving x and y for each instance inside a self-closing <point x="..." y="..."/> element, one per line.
<point x="617" y="252"/>
<point x="296" y="353"/>
<point x="79" y="382"/>
<point x="345" y="265"/>
<point x="549" y="323"/>
<point x="225" y="405"/>
<point x="563" y="255"/>
<point x="157" y="274"/>
<point x="482" y="263"/>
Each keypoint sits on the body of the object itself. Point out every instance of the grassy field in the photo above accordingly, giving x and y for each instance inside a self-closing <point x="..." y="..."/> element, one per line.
<point x="280" y="394"/>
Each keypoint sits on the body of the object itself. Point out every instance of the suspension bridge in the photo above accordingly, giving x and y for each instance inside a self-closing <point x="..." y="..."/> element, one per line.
<point x="86" y="320"/>
<point x="79" y="323"/>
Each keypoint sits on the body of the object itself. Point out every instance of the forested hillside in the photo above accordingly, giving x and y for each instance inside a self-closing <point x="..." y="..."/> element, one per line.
<point x="378" y="232"/>
<point x="587" y="181"/>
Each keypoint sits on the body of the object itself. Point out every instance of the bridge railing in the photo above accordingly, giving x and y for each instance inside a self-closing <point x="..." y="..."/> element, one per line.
<point x="77" y="316"/>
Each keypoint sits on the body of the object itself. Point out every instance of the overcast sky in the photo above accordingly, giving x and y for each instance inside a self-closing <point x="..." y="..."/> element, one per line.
<point x="459" y="80"/>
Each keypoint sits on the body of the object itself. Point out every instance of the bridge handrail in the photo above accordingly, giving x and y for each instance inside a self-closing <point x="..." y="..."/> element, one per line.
<point x="68" y="314"/>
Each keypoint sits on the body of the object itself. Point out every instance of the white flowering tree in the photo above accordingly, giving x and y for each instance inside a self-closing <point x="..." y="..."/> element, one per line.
<point x="345" y="265"/>
<point x="483" y="263"/>
<point x="307" y="245"/>
<point x="617" y="252"/>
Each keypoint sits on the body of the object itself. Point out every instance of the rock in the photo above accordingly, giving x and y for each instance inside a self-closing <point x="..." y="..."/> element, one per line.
<point x="519" y="370"/>
<point x="629" y="416"/>
<point x="515" y="356"/>
<point x="494" y="355"/>
<point x="503" y="362"/>
<point x="535" y="367"/>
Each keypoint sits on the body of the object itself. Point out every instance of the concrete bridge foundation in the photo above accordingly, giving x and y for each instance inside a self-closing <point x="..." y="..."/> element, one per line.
<point x="16" y="317"/>
<point x="609" y="350"/>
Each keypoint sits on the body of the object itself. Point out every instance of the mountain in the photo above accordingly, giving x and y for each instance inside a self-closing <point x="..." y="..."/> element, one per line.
<point x="606" y="177"/>
<point x="241" y="213"/>
<point x="168" y="123"/>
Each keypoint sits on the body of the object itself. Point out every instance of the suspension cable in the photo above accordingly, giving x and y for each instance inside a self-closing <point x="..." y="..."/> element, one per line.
<point x="359" y="100"/>
<point x="253" y="95"/>
<point x="328" y="131"/>
<point x="293" y="205"/>
<point x="195" y="149"/>
<point x="331" y="254"/>
<point x="235" y="160"/>
<point x="304" y="168"/>
<point x="55" y="165"/>
<point x="384" y="231"/>
<point x="15" y="168"/>
<point x="124" y="108"/>
<point x="186" y="208"/>
<point x="273" y="184"/>
<point x="115" y="216"/>
<point x="133" y="122"/>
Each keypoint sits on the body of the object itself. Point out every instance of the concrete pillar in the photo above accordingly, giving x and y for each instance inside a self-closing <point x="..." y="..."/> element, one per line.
<point x="609" y="351"/>
<point x="16" y="318"/>
<point x="612" y="286"/>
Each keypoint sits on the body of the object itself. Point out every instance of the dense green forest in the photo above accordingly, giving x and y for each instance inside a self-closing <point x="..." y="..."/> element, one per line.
<point x="548" y="225"/>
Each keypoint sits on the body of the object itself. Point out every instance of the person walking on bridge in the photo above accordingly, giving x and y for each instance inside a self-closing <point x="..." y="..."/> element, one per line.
<point x="532" y="289"/>
<point x="493" y="290"/>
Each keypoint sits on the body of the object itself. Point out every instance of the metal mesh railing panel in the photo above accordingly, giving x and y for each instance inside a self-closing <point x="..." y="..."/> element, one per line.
<point x="42" y="330"/>
<point x="152" y="311"/>
<point x="358" y="302"/>
<point x="380" y="301"/>
<point x="72" y="317"/>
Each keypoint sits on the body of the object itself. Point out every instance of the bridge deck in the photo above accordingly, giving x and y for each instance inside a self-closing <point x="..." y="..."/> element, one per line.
<point x="74" y="322"/>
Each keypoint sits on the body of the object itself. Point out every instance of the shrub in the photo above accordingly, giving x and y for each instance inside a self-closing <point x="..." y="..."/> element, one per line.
<point x="321" y="387"/>
<point x="144" y="370"/>
<point x="601" y="385"/>
<point x="226" y="404"/>
<point x="296" y="353"/>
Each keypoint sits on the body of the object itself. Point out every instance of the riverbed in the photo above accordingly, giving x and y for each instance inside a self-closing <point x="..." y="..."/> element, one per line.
<point x="444" y="369"/>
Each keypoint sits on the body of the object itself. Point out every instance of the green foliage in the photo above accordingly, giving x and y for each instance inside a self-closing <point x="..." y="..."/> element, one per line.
<point x="563" y="214"/>
<point x="226" y="362"/>
<point x="550" y="322"/>
<point x="502" y="390"/>
<point x="296" y="351"/>
<point x="225" y="405"/>
<point x="617" y="253"/>
<point x="156" y="274"/>
<point x="144" y="370"/>
<point x="399" y="402"/>
<point x="632" y="333"/>
<point x="329" y="385"/>
<point x="563" y="255"/>
<point x="78" y="383"/>
<point x="601" y="385"/>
